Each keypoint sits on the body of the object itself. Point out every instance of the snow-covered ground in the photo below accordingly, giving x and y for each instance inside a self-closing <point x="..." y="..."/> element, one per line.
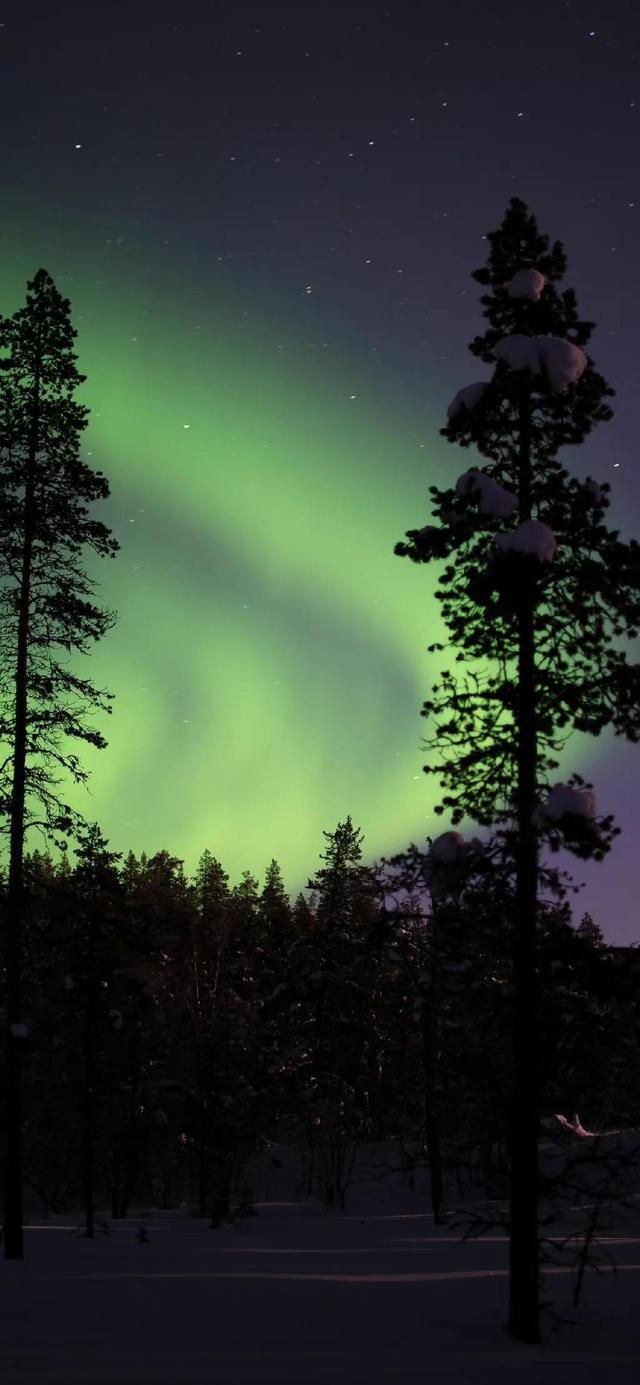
<point x="297" y="1296"/>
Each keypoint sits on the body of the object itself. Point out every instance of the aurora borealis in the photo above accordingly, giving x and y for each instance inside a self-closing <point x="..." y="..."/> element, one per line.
<point x="266" y="223"/>
<point x="258" y="678"/>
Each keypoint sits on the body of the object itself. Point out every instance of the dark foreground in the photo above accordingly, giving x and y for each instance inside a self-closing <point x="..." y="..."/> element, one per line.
<point x="296" y="1297"/>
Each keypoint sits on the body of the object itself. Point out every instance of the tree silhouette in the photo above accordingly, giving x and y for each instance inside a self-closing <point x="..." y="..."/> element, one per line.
<point x="48" y="615"/>
<point x="536" y="603"/>
<point x="94" y="902"/>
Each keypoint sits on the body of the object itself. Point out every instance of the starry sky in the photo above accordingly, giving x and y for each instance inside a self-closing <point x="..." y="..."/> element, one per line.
<point x="266" y="216"/>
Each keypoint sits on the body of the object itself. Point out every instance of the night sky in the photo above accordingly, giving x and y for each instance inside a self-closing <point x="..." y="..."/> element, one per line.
<point x="266" y="216"/>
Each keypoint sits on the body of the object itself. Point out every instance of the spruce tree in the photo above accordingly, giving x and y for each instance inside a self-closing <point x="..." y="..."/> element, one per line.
<point x="95" y="898"/>
<point x="590" y="931"/>
<point x="48" y="617"/>
<point x="340" y="1005"/>
<point x="536" y="602"/>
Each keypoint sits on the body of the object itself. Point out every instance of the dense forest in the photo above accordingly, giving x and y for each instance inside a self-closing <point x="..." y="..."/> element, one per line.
<point x="180" y="1024"/>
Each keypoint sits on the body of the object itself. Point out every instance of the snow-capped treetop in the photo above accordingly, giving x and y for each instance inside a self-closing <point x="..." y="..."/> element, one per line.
<point x="564" y="799"/>
<point x="467" y="398"/>
<point x="527" y="283"/>
<point x="518" y="352"/>
<point x="563" y="361"/>
<point x="494" y="499"/>
<point x="448" y="848"/>
<point x="531" y="537"/>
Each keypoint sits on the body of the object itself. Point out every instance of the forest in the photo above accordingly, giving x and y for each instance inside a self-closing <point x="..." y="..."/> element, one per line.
<point x="181" y="1024"/>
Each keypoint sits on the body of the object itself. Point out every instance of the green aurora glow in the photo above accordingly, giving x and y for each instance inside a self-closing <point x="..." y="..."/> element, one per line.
<point x="269" y="661"/>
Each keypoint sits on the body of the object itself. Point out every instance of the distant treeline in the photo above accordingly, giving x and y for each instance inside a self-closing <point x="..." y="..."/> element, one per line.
<point x="176" y="1025"/>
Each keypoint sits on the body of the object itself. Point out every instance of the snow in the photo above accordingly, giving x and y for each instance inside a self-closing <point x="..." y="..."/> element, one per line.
<point x="518" y="352"/>
<point x="68" y="983"/>
<point x="448" y="848"/>
<point x="494" y="499"/>
<point x="466" y="398"/>
<point x="527" y="283"/>
<point x="446" y="853"/>
<point x="576" y="1128"/>
<point x="531" y="537"/>
<point x="20" y="1031"/>
<point x="564" y="799"/>
<point x="298" y="1295"/>
<point x="562" y="361"/>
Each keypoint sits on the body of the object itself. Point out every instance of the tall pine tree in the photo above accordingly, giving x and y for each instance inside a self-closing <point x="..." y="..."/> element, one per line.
<point x="48" y="616"/>
<point x="536" y="603"/>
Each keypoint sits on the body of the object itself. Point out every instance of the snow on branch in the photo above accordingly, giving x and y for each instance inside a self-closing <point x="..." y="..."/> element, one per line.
<point x="574" y="1127"/>
<point x="467" y="398"/>
<point x="493" y="498"/>
<point x="532" y="537"/>
<point x="518" y="352"/>
<point x="563" y="800"/>
<point x="448" y="861"/>
<point x="448" y="848"/>
<point x="527" y="283"/>
<point x="561" y="361"/>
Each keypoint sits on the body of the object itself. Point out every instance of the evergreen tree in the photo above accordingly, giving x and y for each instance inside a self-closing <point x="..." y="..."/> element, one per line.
<point x="536" y="611"/>
<point x="96" y="891"/>
<point x="590" y="931"/>
<point x="48" y="614"/>
<point x="336" y="974"/>
<point x="276" y="927"/>
<point x="302" y="914"/>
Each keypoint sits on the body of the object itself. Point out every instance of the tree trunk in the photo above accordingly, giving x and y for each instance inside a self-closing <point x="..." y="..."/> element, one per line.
<point x="431" y="1122"/>
<point x="523" y="1245"/>
<point x="14" y="914"/>
<point x="113" y="1179"/>
<point x="89" y="1119"/>
<point x="130" y="1149"/>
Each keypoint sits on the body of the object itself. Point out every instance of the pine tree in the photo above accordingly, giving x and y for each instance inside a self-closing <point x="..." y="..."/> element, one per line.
<point x="536" y="612"/>
<point x="335" y="1035"/>
<point x="590" y="931"/>
<point x="48" y="614"/>
<point x="96" y="889"/>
